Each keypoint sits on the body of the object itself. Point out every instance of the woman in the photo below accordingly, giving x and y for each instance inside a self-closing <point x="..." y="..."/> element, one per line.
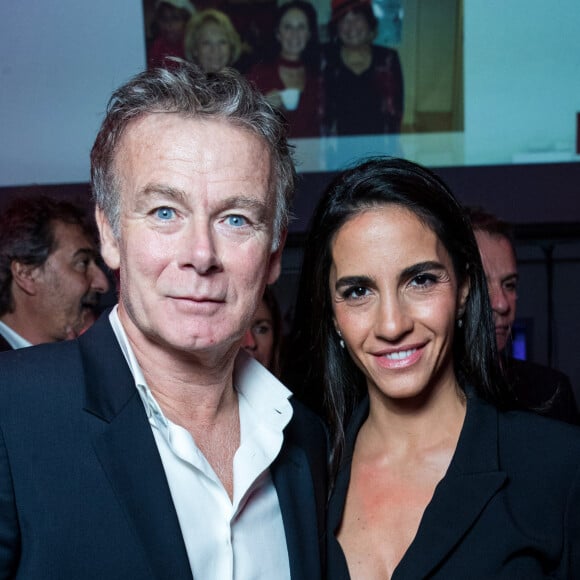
<point x="263" y="341"/>
<point x="295" y="66"/>
<point x="168" y="29"/>
<point x="211" y="41"/>
<point x="363" y="81"/>
<point x="434" y="475"/>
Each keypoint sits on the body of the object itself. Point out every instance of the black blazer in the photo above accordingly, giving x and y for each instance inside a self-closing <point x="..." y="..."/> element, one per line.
<point x="83" y="493"/>
<point x="508" y="507"/>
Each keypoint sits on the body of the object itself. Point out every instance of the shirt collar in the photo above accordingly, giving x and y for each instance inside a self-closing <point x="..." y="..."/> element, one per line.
<point x="13" y="338"/>
<point x="264" y="393"/>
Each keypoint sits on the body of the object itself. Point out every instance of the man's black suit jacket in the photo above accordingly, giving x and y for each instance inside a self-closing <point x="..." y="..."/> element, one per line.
<point x="542" y="389"/>
<point x="83" y="493"/>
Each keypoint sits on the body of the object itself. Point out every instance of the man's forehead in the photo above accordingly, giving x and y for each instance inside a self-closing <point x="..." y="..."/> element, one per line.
<point x="73" y="235"/>
<point x="215" y="148"/>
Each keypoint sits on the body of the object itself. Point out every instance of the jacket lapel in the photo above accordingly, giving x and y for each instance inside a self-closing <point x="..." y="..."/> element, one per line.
<point x="473" y="478"/>
<point x="294" y="485"/>
<point x="128" y="453"/>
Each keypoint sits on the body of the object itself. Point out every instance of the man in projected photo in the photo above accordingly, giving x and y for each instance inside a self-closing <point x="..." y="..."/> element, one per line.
<point x="153" y="446"/>
<point x="539" y="387"/>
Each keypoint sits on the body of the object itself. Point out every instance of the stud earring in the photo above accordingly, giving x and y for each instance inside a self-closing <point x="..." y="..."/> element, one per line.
<point x="460" y="323"/>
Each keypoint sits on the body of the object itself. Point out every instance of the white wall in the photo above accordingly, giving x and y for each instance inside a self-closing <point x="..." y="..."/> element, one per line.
<point x="60" y="61"/>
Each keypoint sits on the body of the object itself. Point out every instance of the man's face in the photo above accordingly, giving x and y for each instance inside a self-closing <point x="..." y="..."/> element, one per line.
<point x="194" y="250"/>
<point x="499" y="263"/>
<point x="67" y="285"/>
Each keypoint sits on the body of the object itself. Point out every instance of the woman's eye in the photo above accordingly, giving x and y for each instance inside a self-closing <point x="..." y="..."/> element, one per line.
<point x="262" y="329"/>
<point x="355" y="292"/>
<point x="165" y="213"/>
<point x="423" y="280"/>
<point x="236" y="221"/>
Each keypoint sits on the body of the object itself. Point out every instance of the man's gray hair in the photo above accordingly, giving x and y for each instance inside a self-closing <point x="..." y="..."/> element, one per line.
<point x="188" y="91"/>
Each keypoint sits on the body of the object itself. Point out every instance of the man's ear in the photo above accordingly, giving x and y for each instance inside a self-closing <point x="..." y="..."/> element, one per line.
<point x="24" y="276"/>
<point x="275" y="261"/>
<point x="109" y="243"/>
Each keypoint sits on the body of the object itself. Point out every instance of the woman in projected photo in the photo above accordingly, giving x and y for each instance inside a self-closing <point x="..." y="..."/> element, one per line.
<point x="211" y="41"/>
<point x="363" y="81"/>
<point x="435" y="476"/>
<point x="291" y="78"/>
<point x="168" y="30"/>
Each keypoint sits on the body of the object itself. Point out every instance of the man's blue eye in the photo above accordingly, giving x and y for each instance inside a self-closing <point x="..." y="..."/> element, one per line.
<point x="236" y="220"/>
<point x="165" y="213"/>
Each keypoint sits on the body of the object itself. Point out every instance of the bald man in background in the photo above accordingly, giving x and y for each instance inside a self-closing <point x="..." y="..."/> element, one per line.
<point x="539" y="388"/>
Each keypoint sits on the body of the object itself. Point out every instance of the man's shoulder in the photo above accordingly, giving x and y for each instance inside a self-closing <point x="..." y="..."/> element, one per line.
<point x="30" y="359"/>
<point x="535" y="372"/>
<point x="542" y="389"/>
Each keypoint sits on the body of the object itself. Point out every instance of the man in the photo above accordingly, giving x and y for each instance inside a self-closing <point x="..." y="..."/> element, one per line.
<point x="49" y="278"/>
<point x="151" y="447"/>
<point x="538" y="387"/>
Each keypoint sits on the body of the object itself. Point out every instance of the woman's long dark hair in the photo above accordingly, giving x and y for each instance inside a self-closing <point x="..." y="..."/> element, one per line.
<point x="315" y="344"/>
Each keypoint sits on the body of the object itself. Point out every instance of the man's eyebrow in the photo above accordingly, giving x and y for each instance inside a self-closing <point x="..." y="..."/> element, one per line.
<point x="164" y="191"/>
<point x="513" y="276"/>
<point x="241" y="201"/>
<point x="86" y="252"/>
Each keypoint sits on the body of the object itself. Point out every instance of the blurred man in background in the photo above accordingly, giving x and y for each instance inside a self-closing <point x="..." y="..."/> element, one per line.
<point x="50" y="280"/>
<point x="538" y="387"/>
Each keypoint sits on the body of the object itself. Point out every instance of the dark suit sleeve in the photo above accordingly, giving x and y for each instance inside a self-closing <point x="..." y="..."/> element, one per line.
<point x="9" y="529"/>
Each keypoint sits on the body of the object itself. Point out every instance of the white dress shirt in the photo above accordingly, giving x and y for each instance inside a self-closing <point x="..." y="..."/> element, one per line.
<point x="12" y="337"/>
<point x="242" y="539"/>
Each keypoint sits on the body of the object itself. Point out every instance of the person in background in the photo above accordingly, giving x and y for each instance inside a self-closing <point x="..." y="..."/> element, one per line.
<point x="211" y="41"/>
<point x="168" y="29"/>
<point x="263" y="340"/>
<point x="435" y="473"/>
<point x="538" y="387"/>
<point x="294" y="69"/>
<point x="152" y="446"/>
<point x="50" y="280"/>
<point x="363" y="81"/>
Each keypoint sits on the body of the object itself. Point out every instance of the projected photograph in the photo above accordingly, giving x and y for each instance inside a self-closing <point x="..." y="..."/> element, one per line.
<point x="353" y="77"/>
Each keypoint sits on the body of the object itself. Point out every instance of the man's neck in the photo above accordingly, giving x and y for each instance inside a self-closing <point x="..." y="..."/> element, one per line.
<point x="24" y="328"/>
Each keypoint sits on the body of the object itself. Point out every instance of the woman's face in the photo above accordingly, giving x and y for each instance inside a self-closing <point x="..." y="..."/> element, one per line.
<point x="213" y="51"/>
<point x="354" y="30"/>
<point x="171" y="23"/>
<point x="396" y="301"/>
<point x="259" y="339"/>
<point x="293" y="33"/>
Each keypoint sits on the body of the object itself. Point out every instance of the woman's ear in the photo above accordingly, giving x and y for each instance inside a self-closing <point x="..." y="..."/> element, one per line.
<point x="462" y="297"/>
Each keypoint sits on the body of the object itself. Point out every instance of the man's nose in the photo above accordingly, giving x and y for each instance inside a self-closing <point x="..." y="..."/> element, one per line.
<point x="499" y="302"/>
<point x="198" y="248"/>
<point x="99" y="282"/>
